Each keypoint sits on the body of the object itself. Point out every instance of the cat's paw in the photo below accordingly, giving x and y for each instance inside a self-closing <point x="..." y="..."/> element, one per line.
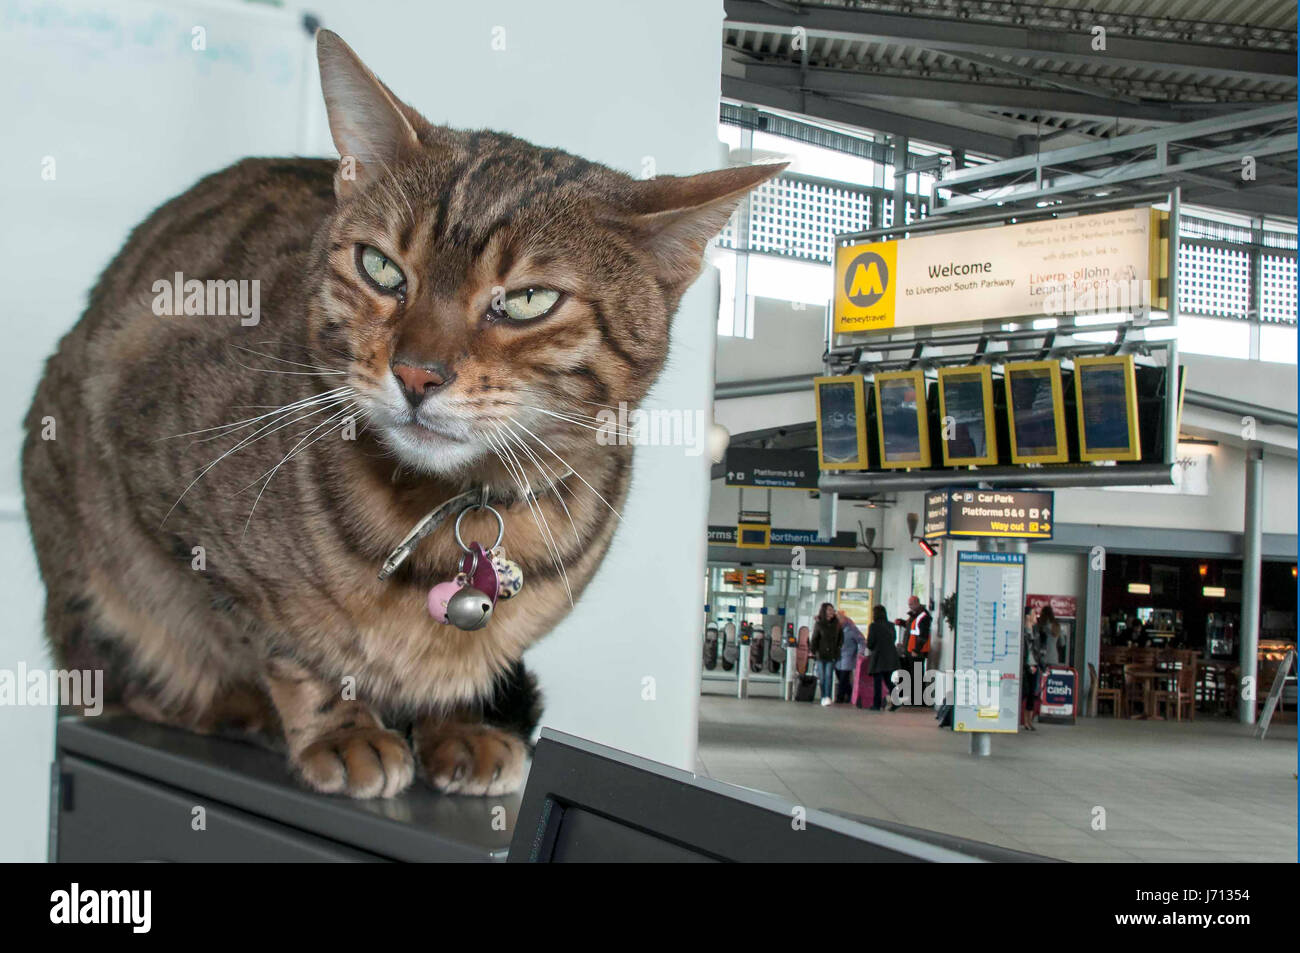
<point x="360" y="762"/>
<point x="467" y="758"/>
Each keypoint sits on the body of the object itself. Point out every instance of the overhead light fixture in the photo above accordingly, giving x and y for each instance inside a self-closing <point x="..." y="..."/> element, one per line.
<point x="926" y="547"/>
<point x="1213" y="592"/>
<point x="1140" y="588"/>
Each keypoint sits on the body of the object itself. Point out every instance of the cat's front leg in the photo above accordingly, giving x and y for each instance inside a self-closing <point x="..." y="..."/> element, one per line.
<point x="459" y="754"/>
<point x="338" y="746"/>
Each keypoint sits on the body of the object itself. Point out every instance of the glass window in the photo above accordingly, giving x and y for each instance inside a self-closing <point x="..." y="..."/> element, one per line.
<point x="1277" y="343"/>
<point x="918" y="579"/>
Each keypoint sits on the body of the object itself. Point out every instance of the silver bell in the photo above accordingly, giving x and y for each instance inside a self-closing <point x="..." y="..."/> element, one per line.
<point x="469" y="609"/>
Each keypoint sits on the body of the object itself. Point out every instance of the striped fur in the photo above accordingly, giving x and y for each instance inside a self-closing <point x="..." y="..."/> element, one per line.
<point x="285" y="630"/>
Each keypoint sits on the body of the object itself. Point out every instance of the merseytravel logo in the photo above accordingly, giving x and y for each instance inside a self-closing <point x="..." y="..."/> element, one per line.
<point x="864" y="286"/>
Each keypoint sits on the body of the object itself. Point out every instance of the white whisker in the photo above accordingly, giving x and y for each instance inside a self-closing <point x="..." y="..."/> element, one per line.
<point x="262" y="431"/>
<point x="547" y="447"/>
<point x="285" y="408"/>
<point x="543" y="527"/>
<point x="271" y="357"/>
<point x="288" y="456"/>
<point x="556" y="483"/>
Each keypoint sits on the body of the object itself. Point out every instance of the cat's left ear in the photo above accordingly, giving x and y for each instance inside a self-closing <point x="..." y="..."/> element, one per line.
<point x="370" y="127"/>
<point x="675" y="217"/>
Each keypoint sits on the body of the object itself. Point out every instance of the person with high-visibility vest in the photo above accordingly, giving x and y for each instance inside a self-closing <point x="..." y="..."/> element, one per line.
<point x="918" y="628"/>
<point x="916" y="647"/>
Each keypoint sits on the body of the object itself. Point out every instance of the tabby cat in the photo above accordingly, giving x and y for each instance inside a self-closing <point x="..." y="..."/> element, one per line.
<point x="440" y="311"/>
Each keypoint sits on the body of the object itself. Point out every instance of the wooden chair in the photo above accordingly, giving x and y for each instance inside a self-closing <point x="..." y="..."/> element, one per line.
<point x="1177" y="693"/>
<point x="1187" y="684"/>
<point x="1106" y="689"/>
<point x="1115" y="653"/>
<point x="1207" y="685"/>
<point x="1134" y="689"/>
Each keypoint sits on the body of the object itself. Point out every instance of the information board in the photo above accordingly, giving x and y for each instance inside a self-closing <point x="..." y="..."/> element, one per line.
<point x="935" y="525"/>
<point x="987" y="657"/>
<point x="1008" y="514"/>
<point x="856" y="604"/>
<point x="841" y="422"/>
<point x="772" y="469"/>
<point x="1097" y="263"/>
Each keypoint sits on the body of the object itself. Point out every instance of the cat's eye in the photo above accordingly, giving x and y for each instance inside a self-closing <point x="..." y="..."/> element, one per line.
<point x="528" y="304"/>
<point x="380" y="269"/>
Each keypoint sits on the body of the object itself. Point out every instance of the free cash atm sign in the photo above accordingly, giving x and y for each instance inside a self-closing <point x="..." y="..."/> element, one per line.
<point x="1110" y="261"/>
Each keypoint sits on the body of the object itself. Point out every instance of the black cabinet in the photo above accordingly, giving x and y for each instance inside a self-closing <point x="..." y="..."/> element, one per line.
<point x="126" y="790"/>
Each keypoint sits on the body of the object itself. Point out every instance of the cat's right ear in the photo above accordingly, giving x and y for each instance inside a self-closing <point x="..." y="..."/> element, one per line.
<point x="370" y="128"/>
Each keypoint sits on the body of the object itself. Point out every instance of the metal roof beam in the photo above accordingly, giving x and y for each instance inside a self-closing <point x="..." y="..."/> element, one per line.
<point x="833" y="82"/>
<point x="1283" y="112"/>
<point x="867" y="117"/>
<point x="945" y="33"/>
<point x="1051" y="79"/>
<point x="1161" y="169"/>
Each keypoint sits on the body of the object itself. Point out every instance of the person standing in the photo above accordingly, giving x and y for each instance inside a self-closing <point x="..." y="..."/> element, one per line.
<point x="1050" y="637"/>
<point x="827" y="639"/>
<point x="853" y="644"/>
<point x="917" y="645"/>
<point x="1032" y="662"/>
<point x="883" y="658"/>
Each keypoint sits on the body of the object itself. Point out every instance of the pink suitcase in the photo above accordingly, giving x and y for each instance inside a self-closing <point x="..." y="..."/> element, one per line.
<point x="864" y="686"/>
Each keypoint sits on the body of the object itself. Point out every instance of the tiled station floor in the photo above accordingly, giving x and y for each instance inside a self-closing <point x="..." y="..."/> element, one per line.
<point x="1204" y="790"/>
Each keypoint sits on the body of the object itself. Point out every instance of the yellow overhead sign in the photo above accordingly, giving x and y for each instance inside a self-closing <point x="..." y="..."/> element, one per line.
<point x="864" y="286"/>
<point x="1084" y="264"/>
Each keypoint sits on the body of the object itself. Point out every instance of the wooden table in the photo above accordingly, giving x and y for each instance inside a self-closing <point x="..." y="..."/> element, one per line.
<point x="1148" y="677"/>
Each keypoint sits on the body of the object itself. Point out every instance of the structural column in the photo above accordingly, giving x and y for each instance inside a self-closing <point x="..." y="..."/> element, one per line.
<point x="1092" y="622"/>
<point x="900" y="181"/>
<point x="740" y="306"/>
<point x="1251" y="547"/>
<point x="981" y="745"/>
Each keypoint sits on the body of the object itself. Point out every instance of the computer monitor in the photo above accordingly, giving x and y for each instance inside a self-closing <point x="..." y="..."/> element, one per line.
<point x="902" y="421"/>
<point x="1105" y="391"/>
<point x="841" y="423"/>
<point x="1036" y="407"/>
<point x="585" y="802"/>
<point x="967" y="428"/>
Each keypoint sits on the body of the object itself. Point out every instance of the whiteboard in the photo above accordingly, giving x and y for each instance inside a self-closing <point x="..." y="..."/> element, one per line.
<point x="109" y="111"/>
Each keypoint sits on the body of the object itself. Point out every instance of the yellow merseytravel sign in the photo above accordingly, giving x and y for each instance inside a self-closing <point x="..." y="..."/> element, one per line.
<point x="864" y="286"/>
<point x="1106" y="262"/>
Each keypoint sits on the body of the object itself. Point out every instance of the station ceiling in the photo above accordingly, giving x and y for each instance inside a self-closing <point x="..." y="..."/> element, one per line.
<point x="1003" y="78"/>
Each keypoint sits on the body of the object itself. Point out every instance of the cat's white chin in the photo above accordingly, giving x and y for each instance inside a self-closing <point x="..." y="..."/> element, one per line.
<point x="432" y="451"/>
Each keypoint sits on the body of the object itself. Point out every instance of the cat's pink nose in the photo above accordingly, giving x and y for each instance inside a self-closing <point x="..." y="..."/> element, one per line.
<point x="418" y="382"/>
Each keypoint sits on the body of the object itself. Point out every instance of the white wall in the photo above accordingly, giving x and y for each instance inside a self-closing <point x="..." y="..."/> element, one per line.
<point x="1223" y="509"/>
<point x="614" y="82"/>
<point x="130" y="115"/>
<point x="787" y="341"/>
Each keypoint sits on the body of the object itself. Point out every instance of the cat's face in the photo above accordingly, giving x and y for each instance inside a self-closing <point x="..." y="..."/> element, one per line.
<point x="491" y="297"/>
